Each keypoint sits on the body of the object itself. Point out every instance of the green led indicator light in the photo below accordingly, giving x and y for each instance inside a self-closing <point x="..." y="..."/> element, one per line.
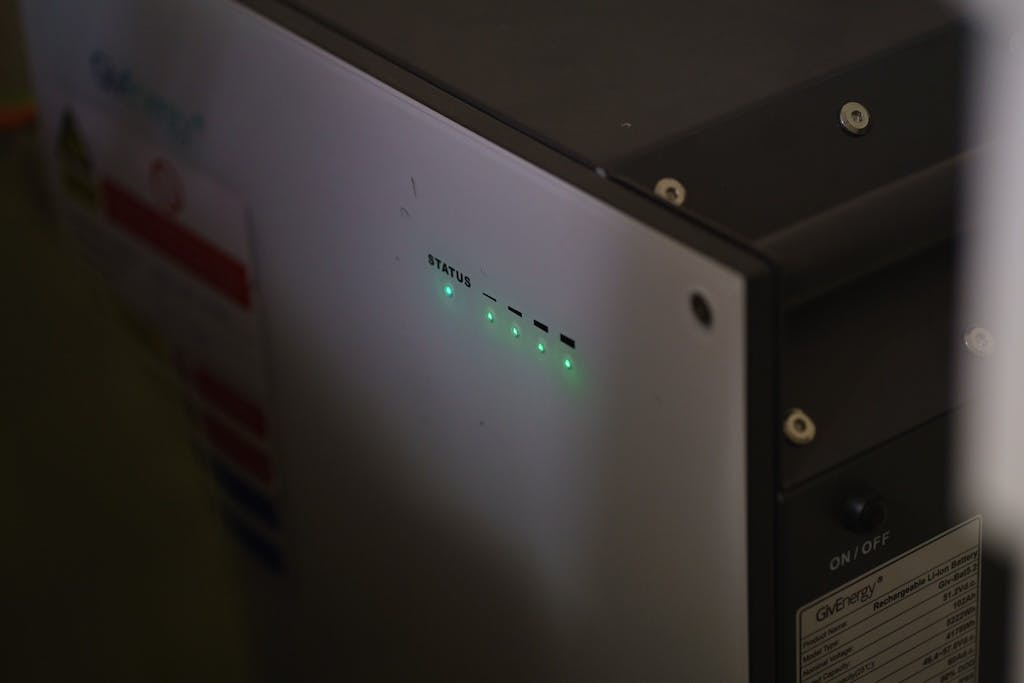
<point x="448" y="291"/>
<point x="567" y="363"/>
<point x="490" y="316"/>
<point x="540" y="346"/>
<point x="515" y="331"/>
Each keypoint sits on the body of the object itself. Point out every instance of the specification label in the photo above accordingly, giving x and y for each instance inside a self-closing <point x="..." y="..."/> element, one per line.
<point x="911" y="620"/>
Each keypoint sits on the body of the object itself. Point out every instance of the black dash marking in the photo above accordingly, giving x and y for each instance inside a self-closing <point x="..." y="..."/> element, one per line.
<point x="568" y="341"/>
<point x="404" y="212"/>
<point x="519" y="313"/>
<point x="540" y="326"/>
<point x="489" y="297"/>
<point x="413" y="181"/>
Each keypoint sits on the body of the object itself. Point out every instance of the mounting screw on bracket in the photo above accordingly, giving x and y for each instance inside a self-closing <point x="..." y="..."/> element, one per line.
<point x="671" y="190"/>
<point x="979" y="341"/>
<point x="799" y="428"/>
<point x="855" y="118"/>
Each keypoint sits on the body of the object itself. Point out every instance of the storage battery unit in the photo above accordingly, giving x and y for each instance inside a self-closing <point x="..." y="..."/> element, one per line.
<point x="552" y="341"/>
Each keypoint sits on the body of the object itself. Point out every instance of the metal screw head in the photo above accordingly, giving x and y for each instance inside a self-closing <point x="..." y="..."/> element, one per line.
<point x="979" y="341"/>
<point x="671" y="190"/>
<point x="799" y="428"/>
<point x="855" y="118"/>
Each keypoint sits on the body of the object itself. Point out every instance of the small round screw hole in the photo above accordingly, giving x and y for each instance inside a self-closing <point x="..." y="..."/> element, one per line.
<point x="701" y="309"/>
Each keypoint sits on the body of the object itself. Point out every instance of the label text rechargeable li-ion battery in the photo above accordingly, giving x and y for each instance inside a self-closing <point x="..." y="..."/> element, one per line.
<point x="910" y="620"/>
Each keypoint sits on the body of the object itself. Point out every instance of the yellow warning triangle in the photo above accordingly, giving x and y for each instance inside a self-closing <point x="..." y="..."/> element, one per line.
<point x="75" y="162"/>
<point x="70" y="146"/>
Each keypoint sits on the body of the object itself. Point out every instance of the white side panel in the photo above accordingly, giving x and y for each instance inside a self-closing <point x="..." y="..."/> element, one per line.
<point x="448" y="490"/>
<point x="990" y="444"/>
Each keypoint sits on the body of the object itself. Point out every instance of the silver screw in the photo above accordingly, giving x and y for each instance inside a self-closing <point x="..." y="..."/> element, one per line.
<point x="979" y="341"/>
<point x="671" y="190"/>
<point x="855" y="118"/>
<point x="799" y="427"/>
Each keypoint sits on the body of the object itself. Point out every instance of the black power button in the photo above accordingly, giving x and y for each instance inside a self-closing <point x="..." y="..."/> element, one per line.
<point x="863" y="511"/>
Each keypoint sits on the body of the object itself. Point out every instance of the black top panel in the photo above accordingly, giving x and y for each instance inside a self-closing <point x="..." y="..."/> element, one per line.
<point x="826" y="206"/>
<point x="788" y="158"/>
<point x="603" y="80"/>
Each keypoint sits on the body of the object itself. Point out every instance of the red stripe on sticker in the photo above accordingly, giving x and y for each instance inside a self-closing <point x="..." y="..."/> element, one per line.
<point x="231" y="402"/>
<point x="204" y="259"/>
<point x="237" y="449"/>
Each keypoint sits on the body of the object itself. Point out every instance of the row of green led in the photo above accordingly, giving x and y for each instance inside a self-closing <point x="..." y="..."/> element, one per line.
<point x="449" y="292"/>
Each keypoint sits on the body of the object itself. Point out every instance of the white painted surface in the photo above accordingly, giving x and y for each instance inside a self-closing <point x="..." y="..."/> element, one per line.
<point x="991" y="439"/>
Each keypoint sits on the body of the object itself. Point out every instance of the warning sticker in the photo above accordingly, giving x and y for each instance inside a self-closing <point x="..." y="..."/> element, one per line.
<point x="172" y="242"/>
<point x="911" y="620"/>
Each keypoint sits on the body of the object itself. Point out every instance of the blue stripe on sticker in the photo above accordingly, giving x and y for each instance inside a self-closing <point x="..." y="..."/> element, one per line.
<point x="258" y="546"/>
<point x="244" y="494"/>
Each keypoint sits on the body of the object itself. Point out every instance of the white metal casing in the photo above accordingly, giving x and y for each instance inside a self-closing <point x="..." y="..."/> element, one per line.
<point x="491" y="508"/>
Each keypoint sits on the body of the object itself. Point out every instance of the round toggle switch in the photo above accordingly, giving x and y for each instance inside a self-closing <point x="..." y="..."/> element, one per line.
<point x="864" y="511"/>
